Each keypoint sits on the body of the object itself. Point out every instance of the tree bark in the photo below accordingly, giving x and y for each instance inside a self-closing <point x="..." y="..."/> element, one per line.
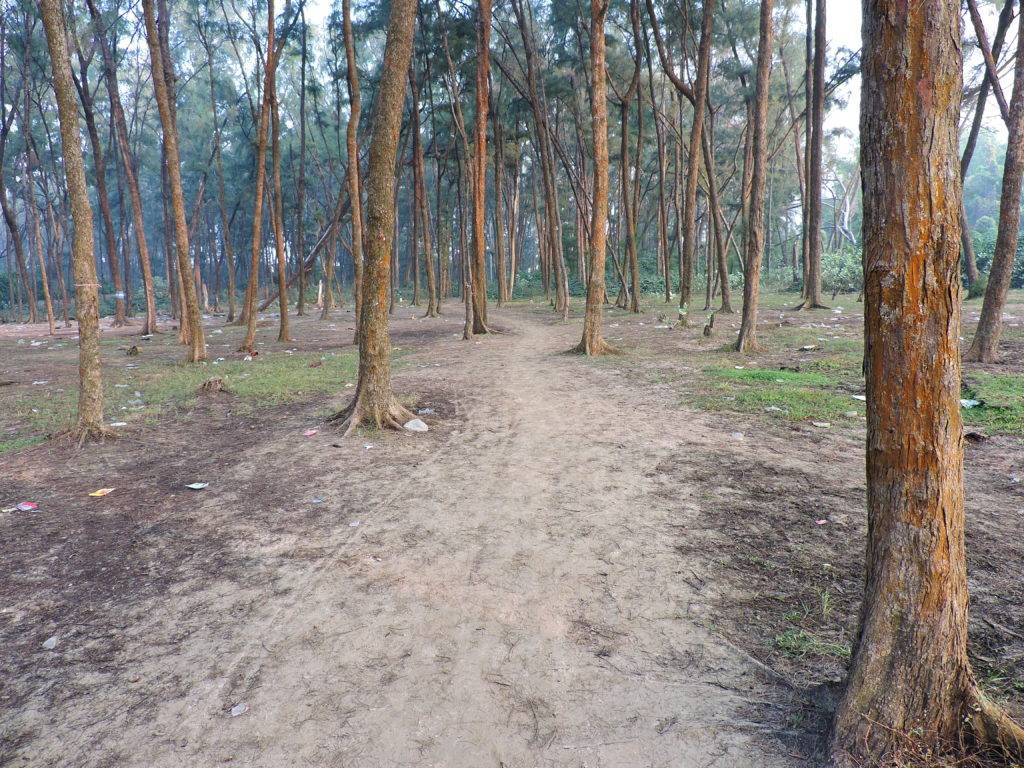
<point x="747" y="341"/>
<point x="300" y="197"/>
<point x="593" y="342"/>
<point x="374" y="402"/>
<point x="499" y="203"/>
<point x="249" y="310"/>
<point x="352" y="147"/>
<point x="163" y="81"/>
<point x="90" y="391"/>
<point x="814" y="178"/>
<point x="278" y="212"/>
<point x="483" y="68"/>
<point x="99" y="163"/>
<point x="910" y="681"/>
<point x="693" y="162"/>
<point x="127" y="166"/>
<point x="421" y="210"/>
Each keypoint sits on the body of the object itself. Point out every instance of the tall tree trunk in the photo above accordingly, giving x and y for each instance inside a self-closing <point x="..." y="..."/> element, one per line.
<point x="552" y="230"/>
<point x="32" y="213"/>
<point x="277" y="209"/>
<point x="814" y="177"/>
<point x="628" y="212"/>
<point x="718" y="220"/>
<point x="225" y="224"/>
<point x="99" y="163"/>
<point x="805" y="223"/>
<point x="90" y="390"/>
<point x="499" y="203"/>
<point x="483" y="68"/>
<point x="421" y="209"/>
<point x="985" y="346"/>
<point x="19" y="250"/>
<point x="967" y="246"/>
<point x="910" y="678"/>
<point x="163" y="84"/>
<point x="747" y="341"/>
<point x="128" y="167"/>
<point x="300" y="194"/>
<point x="352" y="145"/>
<point x="374" y="402"/>
<point x="693" y="162"/>
<point x="249" y="311"/>
<point x="593" y="342"/>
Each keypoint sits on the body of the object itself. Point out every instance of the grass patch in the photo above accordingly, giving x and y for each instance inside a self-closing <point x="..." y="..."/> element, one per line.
<point x="266" y="380"/>
<point x="1002" y="402"/>
<point x="19" y="443"/>
<point x="790" y="395"/>
<point x="152" y="388"/>
<point x="759" y="375"/>
<point x="800" y="643"/>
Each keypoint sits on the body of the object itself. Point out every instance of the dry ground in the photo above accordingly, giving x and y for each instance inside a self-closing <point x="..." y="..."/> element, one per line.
<point x="649" y="560"/>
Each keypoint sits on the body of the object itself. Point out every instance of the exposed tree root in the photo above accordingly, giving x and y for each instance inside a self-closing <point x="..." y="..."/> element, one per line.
<point x="388" y="415"/>
<point x="988" y="738"/>
<point x="804" y="306"/>
<point x="993" y="730"/>
<point x="594" y="348"/>
<point x="975" y="356"/>
<point x="81" y="434"/>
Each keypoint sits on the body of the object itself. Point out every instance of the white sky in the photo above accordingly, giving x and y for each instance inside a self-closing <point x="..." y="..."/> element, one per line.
<point x="843" y="31"/>
<point x="842" y="25"/>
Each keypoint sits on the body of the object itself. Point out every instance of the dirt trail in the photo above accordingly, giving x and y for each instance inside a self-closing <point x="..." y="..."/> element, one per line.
<point x="506" y="590"/>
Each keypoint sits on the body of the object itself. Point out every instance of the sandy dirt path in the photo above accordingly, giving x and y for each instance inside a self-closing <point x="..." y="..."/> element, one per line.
<point x="503" y="591"/>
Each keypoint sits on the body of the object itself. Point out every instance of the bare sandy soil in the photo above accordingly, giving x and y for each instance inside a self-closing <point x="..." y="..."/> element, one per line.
<point x="569" y="569"/>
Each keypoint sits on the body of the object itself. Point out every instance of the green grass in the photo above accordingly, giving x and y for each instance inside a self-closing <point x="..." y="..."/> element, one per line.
<point x="18" y="443"/>
<point x="1002" y="402"/>
<point x="811" y="395"/>
<point x="799" y="643"/>
<point x="267" y="380"/>
<point x="759" y="375"/>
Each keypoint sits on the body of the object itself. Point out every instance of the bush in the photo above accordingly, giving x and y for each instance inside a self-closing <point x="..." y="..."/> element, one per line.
<point x="842" y="271"/>
<point x="984" y="250"/>
<point x="977" y="289"/>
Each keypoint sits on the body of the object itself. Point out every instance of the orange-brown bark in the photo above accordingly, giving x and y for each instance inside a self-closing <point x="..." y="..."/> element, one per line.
<point x="90" y="391"/>
<point x="910" y="679"/>
<point x="375" y="403"/>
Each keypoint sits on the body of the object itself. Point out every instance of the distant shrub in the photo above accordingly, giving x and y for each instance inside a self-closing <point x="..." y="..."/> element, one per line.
<point x="984" y="250"/>
<point x="977" y="288"/>
<point x="842" y="271"/>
